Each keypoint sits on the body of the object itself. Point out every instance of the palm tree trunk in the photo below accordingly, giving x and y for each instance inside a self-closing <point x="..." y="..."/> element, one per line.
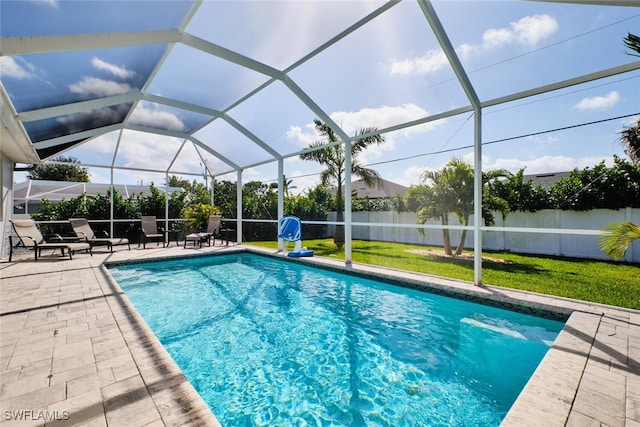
<point x="462" y="238"/>
<point x="445" y="235"/>
<point x="338" y="234"/>
<point x="461" y="244"/>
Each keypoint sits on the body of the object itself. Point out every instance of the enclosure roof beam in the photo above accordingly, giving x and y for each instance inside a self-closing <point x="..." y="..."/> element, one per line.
<point x="48" y="44"/>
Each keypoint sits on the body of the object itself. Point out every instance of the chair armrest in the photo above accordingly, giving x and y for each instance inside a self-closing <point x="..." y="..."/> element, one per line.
<point x="30" y="238"/>
<point x="53" y="238"/>
<point x="102" y="233"/>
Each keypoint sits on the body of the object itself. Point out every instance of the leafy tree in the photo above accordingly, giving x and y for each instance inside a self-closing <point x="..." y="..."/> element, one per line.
<point x="55" y="172"/>
<point x="153" y="204"/>
<point x="198" y="214"/>
<point x="313" y="205"/>
<point x="226" y="197"/>
<point x="333" y="159"/>
<point x="521" y="196"/>
<point x="366" y="204"/>
<point x="599" y="187"/>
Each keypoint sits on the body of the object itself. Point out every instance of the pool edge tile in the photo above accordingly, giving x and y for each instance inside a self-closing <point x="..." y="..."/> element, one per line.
<point x="174" y="396"/>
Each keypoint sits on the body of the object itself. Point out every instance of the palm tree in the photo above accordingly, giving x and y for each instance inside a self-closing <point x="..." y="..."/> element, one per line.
<point x="450" y="191"/>
<point x="617" y="237"/>
<point x="449" y="186"/>
<point x="630" y="140"/>
<point x="286" y="185"/>
<point x="333" y="158"/>
<point x="632" y="42"/>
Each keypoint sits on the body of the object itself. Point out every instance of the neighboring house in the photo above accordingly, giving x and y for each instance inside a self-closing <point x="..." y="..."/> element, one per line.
<point x="547" y="180"/>
<point x="27" y="194"/>
<point x="382" y="190"/>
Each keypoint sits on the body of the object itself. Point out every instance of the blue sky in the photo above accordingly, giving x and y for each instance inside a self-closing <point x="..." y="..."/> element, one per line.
<point x="388" y="72"/>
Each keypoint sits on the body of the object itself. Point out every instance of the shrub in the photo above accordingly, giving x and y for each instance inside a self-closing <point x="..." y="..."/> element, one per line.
<point x="197" y="215"/>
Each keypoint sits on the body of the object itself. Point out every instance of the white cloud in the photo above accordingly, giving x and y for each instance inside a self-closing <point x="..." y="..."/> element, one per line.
<point x="528" y="31"/>
<point x="93" y="86"/>
<point x="52" y="3"/>
<point x="431" y="62"/>
<point x="410" y="176"/>
<point x="352" y="121"/>
<point x="496" y="37"/>
<point x="145" y="116"/>
<point x="158" y="150"/>
<point x="115" y="70"/>
<point x="544" y="164"/>
<point x="303" y="183"/>
<point x="9" y="67"/>
<point x="300" y="137"/>
<point x="599" y="102"/>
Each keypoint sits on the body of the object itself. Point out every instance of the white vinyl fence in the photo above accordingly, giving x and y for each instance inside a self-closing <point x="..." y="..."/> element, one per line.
<point x="548" y="243"/>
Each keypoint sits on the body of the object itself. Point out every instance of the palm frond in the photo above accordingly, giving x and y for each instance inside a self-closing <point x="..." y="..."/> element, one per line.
<point x="617" y="237"/>
<point x="632" y="42"/>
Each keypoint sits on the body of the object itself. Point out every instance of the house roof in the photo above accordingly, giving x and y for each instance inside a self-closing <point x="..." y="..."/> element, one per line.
<point x="36" y="189"/>
<point x="380" y="190"/>
<point x="546" y="180"/>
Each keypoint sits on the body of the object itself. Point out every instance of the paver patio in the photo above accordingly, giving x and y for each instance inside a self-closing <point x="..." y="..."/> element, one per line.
<point x="74" y="351"/>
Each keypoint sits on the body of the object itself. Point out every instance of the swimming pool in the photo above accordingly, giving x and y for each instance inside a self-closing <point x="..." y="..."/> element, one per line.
<point x="270" y="342"/>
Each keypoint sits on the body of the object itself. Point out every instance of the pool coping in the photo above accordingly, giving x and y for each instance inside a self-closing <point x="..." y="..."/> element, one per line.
<point x="590" y="375"/>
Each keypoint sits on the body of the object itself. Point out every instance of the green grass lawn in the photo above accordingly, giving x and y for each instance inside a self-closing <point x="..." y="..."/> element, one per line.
<point x="589" y="280"/>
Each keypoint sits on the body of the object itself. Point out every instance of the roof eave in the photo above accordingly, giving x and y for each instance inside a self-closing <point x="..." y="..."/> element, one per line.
<point x="15" y="141"/>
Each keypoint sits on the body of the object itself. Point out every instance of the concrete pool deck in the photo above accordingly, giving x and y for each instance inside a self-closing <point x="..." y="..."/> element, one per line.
<point x="74" y="351"/>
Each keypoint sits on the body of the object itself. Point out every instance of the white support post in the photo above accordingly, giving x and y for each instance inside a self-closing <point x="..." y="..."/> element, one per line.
<point x="212" y="200"/>
<point x="477" y="198"/>
<point x="166" y="206"/>
<point x="239" y="207"/>
<point x="458" y="69"/>
<point x="347" y="203"/>
<point x="111" y="201"/>
<point x="280" y="189"/>
<point x="27" y="197"/>
<point x="280" y="197"/>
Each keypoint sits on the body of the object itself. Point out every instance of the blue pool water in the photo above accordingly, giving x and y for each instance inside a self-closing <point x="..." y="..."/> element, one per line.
<point x="269" y="342"/>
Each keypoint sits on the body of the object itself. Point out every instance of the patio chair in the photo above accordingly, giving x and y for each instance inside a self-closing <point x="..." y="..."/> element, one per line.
<point x="213" y="230"/>
<point x="84" y="231"/>
<point x="150" y="232"/>
<point x="30" y="237"/>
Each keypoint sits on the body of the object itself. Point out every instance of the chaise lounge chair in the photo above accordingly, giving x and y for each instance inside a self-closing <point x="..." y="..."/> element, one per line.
<point x="84" y="231"/>
<point x="213" y="230"/>
<point x="150" y="232"/>
<point x="30" y="237"/>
